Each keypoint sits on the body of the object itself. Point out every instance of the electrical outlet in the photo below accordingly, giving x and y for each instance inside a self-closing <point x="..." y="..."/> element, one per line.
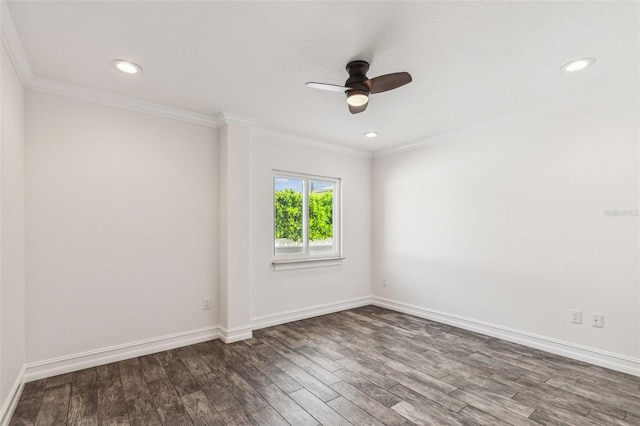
<point x="576" y="316"/>
<point x="596" y="320"/>
<point x="206" y="304"/>
<point x="383" y="282"/>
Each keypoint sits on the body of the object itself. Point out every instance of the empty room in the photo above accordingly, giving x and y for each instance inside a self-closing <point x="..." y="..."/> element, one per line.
<point x="319" y="213"/>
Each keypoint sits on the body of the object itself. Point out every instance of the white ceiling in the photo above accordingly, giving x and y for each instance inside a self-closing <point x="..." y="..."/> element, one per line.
<point x="470" y="61"/>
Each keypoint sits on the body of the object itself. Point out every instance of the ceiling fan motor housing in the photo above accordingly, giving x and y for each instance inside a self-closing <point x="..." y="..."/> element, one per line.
<point x="357" y="76"/>
<point x="358" y="68"/>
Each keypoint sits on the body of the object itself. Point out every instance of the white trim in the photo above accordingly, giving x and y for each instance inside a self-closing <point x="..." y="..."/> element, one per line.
<point x="236" y="334"/>
<point x="225" y="118"/>
<point x="11" y="402"/>
<point x="511" y="119"/>
<point x="309" y="312"/>
<point x="117" y="101"/>
<point x="13" y="45"/>
<point x="307" y="262"/>
<point x="16" y="52"/>
<point x="79" y="361"/>
<point x="307" y="258"/>
<point x="66" y="364"/>
<point x="617" y="362"/>
<point x="298" y="140"/>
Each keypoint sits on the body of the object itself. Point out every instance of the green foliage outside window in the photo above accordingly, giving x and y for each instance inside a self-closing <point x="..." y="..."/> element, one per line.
<point x="288" y="212"/>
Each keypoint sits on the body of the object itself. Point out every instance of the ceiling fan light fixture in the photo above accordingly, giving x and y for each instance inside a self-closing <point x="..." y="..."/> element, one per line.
<point x="577" y="65"/>
<point x="127" y="67"/>
<point x="357" y="98"/>
<point x="358" y="86"/>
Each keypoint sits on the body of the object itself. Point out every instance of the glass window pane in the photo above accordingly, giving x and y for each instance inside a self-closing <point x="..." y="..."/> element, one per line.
<point x="287" y="194"/>
<point x="321" y="216"/>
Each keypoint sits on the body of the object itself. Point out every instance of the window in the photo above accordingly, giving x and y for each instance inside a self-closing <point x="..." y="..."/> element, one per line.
<point x="306" y="212"/>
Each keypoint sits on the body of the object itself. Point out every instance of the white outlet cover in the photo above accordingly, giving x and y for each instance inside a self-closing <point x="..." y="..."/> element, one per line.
<point x="596" y="320"/>
<point x="575" y="316"/>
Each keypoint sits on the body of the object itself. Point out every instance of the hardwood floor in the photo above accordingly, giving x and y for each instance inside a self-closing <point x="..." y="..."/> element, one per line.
<point x="365" y="366"/>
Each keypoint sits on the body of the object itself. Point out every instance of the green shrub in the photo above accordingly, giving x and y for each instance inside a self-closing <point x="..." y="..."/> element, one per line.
<point x="288" y="213"/>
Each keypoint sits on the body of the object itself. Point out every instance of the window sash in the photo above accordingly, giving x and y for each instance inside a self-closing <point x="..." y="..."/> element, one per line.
<point x="307" y="253"/>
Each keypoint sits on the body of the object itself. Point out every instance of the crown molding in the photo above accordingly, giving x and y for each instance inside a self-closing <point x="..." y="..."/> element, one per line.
<point x="15" y="50"/>
<point x="225" y="118"/>
<point x="564" y="104"/>
<point x="297" y="140"/>
<point x="124" y="102"/>
<point x="13" y="45"/>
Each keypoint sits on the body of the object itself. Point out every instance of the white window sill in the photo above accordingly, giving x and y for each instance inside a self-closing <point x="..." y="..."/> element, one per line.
<point x="287" y="264"/>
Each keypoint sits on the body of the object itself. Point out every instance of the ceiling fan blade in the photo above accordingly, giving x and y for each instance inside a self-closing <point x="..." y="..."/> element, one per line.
<point x="388" y="82"/>
<point x="357" y="109"/>
<point x="329" y="87"/>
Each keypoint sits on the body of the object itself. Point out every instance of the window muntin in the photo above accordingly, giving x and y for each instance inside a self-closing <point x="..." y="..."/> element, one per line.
<point x="306" y="216"/>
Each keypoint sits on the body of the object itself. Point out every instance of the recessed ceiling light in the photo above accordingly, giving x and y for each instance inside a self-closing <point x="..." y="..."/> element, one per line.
<point x="371" y="134"/>
<point x="127" y="66"/>
<point x="577" y="64"/>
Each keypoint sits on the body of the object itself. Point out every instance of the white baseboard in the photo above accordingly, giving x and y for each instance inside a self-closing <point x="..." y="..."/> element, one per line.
<point x="75" y="362"/>
<point x="599" y="357"/>
<point x="311" y="311"/>
<point x="11" y="402"/>
<point x="66" y="364"/>
<point x="79" y="361"/>
<point x="235" y="334"/>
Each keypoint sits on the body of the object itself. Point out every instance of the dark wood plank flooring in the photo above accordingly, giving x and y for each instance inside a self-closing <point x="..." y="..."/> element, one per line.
<point x="365" y="366"/>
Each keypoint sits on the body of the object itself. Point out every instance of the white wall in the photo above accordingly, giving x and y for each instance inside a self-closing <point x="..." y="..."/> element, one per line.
<point x="274" y="292"/>
<point x="122" y="224"/>
<point x="508" y="226"/>
<point x="122" y="229"/>
<point x="12" y="229"/>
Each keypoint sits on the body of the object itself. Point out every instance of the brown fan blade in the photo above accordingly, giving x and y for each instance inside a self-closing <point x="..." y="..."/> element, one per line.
<point x="388" y="82"/>
<point x="357" y="109"/>
<point x="329" y="87"/>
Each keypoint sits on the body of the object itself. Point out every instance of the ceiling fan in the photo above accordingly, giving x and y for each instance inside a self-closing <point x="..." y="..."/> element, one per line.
<point x="358" y="86"/>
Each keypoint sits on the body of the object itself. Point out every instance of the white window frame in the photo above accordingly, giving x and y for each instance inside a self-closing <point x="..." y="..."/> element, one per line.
<point x="307" y="259"/>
